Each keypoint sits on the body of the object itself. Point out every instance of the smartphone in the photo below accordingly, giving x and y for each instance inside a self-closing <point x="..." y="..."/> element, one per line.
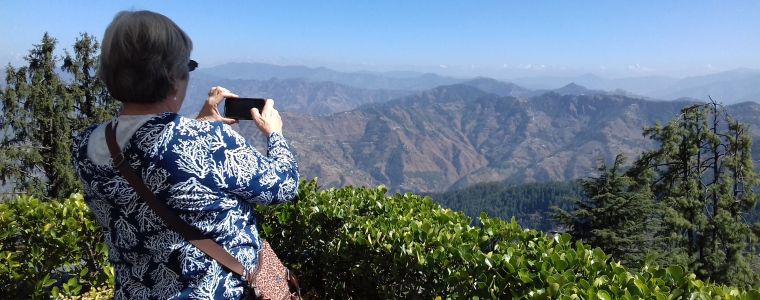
<point x="240" y="108"/>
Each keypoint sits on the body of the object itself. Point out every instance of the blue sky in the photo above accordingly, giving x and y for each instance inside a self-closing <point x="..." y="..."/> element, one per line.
<point x="502" y="39"/>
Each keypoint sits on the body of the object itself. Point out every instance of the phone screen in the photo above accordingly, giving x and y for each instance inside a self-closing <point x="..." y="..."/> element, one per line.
<point x="240" y="108"/>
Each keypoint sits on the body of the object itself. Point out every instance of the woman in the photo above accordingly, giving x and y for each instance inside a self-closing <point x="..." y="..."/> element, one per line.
<point x="205" y="171"/>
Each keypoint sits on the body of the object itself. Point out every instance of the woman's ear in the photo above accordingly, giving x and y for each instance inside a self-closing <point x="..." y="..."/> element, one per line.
<point x="172" y="95"/>
<point x="180" y="89"/>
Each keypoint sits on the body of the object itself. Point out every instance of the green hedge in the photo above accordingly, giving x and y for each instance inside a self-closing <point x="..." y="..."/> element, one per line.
<point x="357" y="243"/>
<point x="360" y="243"/>
<point x="50" y="249"/>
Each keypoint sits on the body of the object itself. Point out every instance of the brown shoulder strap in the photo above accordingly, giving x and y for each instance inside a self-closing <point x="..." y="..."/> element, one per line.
<point x="192" y="234"/>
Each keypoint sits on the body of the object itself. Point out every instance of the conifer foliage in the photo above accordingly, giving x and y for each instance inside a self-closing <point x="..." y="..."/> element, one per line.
<point x="41" y="111"/>
<point x="616" y="214"/>
<point x="703" y="179"/>
<point x="686" y="201"/>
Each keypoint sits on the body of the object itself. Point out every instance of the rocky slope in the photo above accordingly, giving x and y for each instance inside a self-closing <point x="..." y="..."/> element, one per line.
<point x="454" y="136"/>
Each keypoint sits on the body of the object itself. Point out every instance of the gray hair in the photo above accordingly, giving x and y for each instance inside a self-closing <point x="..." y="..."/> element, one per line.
<point x="143" y="55"/>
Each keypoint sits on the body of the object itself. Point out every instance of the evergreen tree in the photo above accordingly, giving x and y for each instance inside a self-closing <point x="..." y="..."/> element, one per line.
<point x="615" y="214"/>
<point x="703" y="169"/>
<point x="41" y="112"/>
<point x="92" y="102"/>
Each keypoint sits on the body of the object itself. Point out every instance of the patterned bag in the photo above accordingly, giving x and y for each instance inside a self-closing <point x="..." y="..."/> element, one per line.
<point x="271" y="280"/>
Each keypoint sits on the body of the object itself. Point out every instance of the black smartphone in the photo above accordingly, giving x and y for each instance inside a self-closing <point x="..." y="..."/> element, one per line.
<point x="240" y="108"/>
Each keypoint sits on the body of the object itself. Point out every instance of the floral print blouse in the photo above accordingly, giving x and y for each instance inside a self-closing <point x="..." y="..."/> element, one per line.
<point x="211" y="177"/>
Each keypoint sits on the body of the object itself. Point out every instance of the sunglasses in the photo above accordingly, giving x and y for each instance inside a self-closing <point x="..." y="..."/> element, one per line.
<point x="191" y="65"/>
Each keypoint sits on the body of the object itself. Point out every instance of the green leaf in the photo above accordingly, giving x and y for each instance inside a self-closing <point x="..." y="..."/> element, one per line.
<point x="524" y="276"/>
<point x="641" y="286"/>
<point x="47" y="281"/>
<point x="599" y="255"/>
<point x="602" y="294"/>
<point x="553" y="289"/>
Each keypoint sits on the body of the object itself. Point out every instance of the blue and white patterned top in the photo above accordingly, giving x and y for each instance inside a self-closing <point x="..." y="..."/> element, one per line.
<point x="211" y="177"/>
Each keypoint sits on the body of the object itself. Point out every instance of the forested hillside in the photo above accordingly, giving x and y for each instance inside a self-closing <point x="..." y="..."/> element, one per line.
<point x="530" y="203"/>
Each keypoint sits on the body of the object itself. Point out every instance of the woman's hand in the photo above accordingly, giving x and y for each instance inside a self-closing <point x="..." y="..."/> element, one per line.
<point x="268" y="121"/>
<point x="210" y="109"/>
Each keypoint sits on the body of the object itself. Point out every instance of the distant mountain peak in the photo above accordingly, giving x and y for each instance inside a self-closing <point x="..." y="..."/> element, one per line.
<point x="493" y="86"/>
<point x="481" y="79"/>
<point x="572" y="89"/>
<point x="574" y="85"/>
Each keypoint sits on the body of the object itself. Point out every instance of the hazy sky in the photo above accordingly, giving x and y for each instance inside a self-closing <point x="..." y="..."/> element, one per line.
<point x="502" y="39"/>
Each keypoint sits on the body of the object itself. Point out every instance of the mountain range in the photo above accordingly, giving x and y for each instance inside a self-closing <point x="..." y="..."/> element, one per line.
<point x="366" y="80"/>
<point x="728" y="87"/>
<point x="456" y="134"/>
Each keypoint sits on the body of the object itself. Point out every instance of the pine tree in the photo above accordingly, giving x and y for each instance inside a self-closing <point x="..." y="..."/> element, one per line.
<point x="91" y="98"/>
<point x="703" y="173"/>
<point x="615" y="214"/>
<point x="41" y="112"/>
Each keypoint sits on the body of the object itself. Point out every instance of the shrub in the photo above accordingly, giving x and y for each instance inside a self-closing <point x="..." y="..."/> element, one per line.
<point x="50" y="248"/>
<point x="359" y="243"/>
